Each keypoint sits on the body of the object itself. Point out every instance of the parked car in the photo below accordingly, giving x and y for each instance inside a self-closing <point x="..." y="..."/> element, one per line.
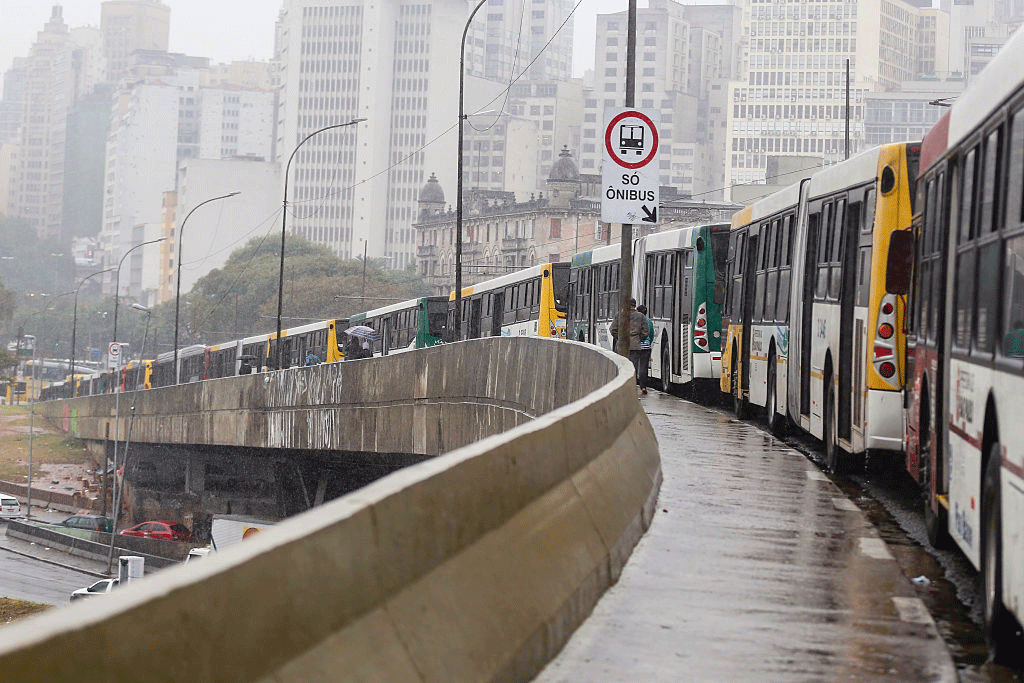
<point x="9" y="506"/>
<point x="162" y="529"/>
<point x="101" y="587"/>
<point x="89" y="523"/>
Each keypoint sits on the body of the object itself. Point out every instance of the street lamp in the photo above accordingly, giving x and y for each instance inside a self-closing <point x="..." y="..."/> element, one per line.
<point x="74" y="328"/>
<point x="117" y="284"/>
<point x="177" y="293"/>
<point x="119" y="490"/>
<point x="284" y="216"/>
<point x="458" y="197"/>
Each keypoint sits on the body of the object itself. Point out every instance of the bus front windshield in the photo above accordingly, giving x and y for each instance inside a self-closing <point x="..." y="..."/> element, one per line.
<point x="560" y="285"/>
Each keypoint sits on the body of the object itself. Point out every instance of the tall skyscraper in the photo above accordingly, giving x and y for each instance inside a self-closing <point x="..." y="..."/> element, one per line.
<point x="396" y="64"/>
<point x="130" y="25"/>
<point x="792" y="99"/>
<point x="37" y="176"/>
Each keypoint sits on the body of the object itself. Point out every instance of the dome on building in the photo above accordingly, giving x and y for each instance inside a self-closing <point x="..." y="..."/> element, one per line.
<point x="565" y="168"/>
<point x="432" y="192"/>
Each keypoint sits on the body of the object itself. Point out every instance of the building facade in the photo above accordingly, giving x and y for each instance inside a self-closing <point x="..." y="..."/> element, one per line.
<point x="130" y="25"/>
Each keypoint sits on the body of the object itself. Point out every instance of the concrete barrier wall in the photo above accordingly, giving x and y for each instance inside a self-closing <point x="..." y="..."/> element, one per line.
<point x="472" y="566"/>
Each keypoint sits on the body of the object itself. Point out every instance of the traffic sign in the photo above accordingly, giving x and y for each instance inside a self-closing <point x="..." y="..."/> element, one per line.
<point x="630" y="172"/>
<point x="113" y="356"/>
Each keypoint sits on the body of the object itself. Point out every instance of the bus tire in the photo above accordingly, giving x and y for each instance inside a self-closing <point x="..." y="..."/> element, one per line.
<point x="666" y="370"/>
<point x="833" y="455"/>
<point x="1000" y="626"/>
<point x="775" y="420"/>
<point x="739" y="406"/>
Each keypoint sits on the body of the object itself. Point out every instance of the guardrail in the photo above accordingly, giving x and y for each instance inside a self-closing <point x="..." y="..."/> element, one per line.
<point x="475" y="565"/>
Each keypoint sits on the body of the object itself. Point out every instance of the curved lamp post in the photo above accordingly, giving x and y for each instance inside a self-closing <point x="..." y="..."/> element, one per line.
<point x="74" y="328"/>
<point x="458" y="196"/>
<point x="177" y="292"/>
<point x="117" y="282"/>
<point x="284" y="217"/>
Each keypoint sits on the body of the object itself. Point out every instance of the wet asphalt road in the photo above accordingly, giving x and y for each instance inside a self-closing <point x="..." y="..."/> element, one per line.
<point x="757" y="567"/>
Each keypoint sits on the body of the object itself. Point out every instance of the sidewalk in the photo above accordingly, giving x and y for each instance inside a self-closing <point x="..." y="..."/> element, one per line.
<point x="755" y="568"/>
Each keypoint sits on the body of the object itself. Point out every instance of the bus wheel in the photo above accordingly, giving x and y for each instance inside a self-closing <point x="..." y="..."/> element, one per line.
<point x="833" y="457"/>
<point x="775" y="420"/>
<point x="999" y="624"/>
<point x="666" y="370"/>
<point x="739" y="406"/>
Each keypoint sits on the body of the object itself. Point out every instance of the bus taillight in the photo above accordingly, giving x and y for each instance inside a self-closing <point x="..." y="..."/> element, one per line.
<point x="884" y="346"/>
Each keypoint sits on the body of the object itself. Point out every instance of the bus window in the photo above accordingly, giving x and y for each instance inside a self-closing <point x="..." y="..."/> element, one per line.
<point x="838" y="232"/>
<point x="989" y="191"/>
<point x="869" y="212"/>
<point x="966" y="231"/>
<point x="987" y="310"/>
<point x="1013" y="316"/>
<point x="964" y="298"/>
<point x="560" y="287"/>
<point x="1015" y="207"/>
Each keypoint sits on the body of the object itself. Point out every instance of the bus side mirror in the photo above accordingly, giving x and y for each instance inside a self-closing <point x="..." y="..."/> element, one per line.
<point x="900" y="263"/>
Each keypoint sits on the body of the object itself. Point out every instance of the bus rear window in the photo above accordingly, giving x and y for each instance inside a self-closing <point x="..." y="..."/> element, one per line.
<point x="720" y="252"/>
<point x="560" y="286"/>
<point x="437" y="317"/>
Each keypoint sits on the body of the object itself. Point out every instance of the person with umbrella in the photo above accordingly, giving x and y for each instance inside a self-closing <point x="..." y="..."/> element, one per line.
<point x="358" y="345"/>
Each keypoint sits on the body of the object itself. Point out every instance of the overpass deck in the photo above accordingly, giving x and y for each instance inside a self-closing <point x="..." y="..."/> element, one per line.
<point x="756" y="567"/>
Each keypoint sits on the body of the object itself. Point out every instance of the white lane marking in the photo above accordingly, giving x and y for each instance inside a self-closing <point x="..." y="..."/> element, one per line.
<point x="875" y="548"/>
<point x="845" y="504"/>
<point x="912" y="610"/>
<point x="816" y="475"/>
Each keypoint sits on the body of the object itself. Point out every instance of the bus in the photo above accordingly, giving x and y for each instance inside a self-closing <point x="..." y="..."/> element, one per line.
<point x="756" y="315"/>
<point x="680" y="276"/>
<point x="594" y="295"/>
<point x="406" y="326"/>
<point x="844" y="342"/>
<point x="966" y="337"/>
<point x="529" y="302"/>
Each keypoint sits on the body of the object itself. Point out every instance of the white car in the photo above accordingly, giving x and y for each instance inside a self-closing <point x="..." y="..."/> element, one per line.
<point x="101" y="587"/>
<point x="9" y="506"/>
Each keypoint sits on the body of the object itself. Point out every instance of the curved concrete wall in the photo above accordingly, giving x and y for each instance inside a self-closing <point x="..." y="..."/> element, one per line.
<point x="472" y="566"/>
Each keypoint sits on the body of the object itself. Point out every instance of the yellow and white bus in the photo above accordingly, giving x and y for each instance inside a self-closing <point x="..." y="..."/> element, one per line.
<point x="530" y="302"/>
<point x="840" y="354"/>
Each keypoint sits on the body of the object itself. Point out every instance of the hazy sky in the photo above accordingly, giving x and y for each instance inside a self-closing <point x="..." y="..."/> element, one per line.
<point x="226" y="30"/>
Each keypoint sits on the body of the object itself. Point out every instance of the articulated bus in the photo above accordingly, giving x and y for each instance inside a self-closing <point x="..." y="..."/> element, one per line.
<point x="530" y="302"/>
<point x="965" y="436"/>
<point x="406" y="326"/>
<point x="756" y="311"/>
<point x="844" y="369"/>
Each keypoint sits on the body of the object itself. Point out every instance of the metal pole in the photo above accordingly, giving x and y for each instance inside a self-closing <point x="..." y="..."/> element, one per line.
<point x="74" y="328"/>
<point x="626" y="252"/>
<point x="847" y="109"/>
<point x="117" y="280"/>
<point x="284" y="216"/>
<point x="177" y="292"/>
<point x="458" y="196"/>
<point x="119" y="490"/>
<point x="31" y="433"/>
<point x="364" y="274"/>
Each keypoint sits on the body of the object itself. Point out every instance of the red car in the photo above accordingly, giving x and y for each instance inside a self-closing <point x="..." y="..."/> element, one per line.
<point x="162" y="529"/>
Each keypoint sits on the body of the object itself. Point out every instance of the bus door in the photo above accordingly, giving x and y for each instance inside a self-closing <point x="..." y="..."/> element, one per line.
<point x="747" y="310"/>
<point x="842" y="284"/>
<point x="475" y="312"/>
<point x="681" y="315"/>
<point x="807" y="305"/>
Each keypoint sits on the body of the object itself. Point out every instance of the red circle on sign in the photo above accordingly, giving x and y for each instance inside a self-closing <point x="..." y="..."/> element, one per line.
<point x="611" y="150"/>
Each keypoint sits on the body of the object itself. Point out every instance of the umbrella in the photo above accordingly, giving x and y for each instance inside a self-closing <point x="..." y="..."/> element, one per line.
<point x="363" y="332"/>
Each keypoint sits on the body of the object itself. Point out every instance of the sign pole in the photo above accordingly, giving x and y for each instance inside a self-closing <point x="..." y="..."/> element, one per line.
<point x="626" y="252"/>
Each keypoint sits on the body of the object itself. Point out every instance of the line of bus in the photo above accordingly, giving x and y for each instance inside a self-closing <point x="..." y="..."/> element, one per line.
<point x="813" y="335"/>
<point x="965" y="436"/>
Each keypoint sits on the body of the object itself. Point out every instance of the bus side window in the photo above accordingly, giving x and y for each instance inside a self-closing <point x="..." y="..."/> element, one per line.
<point x="1013" y="294"/>
<point x="966" y="226"/>
<point x="1015" y="176"/>
<point x="989" y="193"/>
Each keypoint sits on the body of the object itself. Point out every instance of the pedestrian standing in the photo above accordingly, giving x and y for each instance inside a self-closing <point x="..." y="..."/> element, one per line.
<point x="644" y="363"/>
<point x="637" y="331"/>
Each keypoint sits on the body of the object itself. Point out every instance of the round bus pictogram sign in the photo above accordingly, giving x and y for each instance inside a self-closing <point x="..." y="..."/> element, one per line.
<point x="631" y="139"/>
<point x="114" y="350"/>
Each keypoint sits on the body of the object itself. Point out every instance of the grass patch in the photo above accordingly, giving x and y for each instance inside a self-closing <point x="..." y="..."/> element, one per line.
<point x="12" y="610"/>
<point x="47" y="447"/>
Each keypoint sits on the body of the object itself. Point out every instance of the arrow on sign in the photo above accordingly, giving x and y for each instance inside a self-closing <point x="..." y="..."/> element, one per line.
<point x="652" y="214"/>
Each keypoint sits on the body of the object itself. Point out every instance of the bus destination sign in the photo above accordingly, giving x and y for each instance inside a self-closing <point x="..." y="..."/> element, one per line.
<point x="629" y="174"/>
